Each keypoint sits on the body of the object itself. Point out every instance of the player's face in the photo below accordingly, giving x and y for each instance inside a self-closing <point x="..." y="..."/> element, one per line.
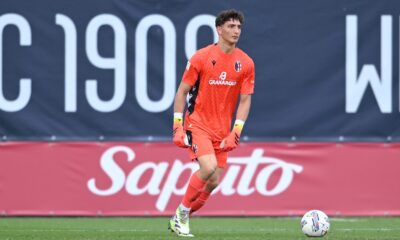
<point x="230" y="31"/>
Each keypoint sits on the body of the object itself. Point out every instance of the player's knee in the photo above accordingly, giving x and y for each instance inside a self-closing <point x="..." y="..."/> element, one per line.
<point x="209" y="170"/>
<point x="212" y="184"/>
<point x="208" y="165"/>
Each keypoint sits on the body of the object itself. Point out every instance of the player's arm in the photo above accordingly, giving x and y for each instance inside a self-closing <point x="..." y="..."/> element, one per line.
<point x="189" y="78"/>
<point x="244" y="107"/>
<point x="232" y="141"/>
<point x="179" y="136"/>
<point x="180" y="97"/>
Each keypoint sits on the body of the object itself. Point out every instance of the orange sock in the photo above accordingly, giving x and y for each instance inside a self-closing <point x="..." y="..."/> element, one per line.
<point x="196" y="186"/>
<point x="199" y="202"/>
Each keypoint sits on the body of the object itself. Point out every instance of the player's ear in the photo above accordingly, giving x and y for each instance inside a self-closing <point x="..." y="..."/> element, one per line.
<point x="219" y="30"/>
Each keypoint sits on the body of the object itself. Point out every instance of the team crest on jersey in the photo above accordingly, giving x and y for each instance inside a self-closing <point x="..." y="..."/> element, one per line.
<point x="238" y="66"/>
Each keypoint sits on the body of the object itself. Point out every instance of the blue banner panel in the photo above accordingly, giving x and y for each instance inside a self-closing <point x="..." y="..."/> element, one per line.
<point x="325" y="70"/>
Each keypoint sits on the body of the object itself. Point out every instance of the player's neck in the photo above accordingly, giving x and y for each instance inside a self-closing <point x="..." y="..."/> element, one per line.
<point x="226" y="47"/>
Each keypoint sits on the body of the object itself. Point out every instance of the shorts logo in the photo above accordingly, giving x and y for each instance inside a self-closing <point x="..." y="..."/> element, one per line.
<point x="194" y="147"/>
<point x="238" y="66"/>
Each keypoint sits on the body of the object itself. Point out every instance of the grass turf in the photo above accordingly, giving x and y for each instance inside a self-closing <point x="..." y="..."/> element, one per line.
<point x="136" y="228"/>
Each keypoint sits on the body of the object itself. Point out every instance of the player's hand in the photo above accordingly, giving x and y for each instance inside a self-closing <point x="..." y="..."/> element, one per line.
<point x="179" y="136"/>
<point x="231" y="142"/>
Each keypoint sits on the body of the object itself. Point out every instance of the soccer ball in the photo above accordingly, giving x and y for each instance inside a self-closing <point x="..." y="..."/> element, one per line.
<point x="315" y="223"/>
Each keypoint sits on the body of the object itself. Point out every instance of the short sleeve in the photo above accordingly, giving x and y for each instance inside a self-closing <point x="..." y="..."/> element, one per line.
<point x="248" y="80"/>
<point x="192" y="71"/>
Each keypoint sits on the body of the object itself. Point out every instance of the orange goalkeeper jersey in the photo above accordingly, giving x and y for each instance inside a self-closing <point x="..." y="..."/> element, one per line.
<point x="217" y="80"/>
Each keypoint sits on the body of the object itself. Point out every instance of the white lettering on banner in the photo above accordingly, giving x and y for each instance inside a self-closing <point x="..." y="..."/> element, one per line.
<point x="116" y="63"/>
<point x="192" y="29"/>
<point x="169" y="63"/>
<point x="113" y="171"/>
<point x="70" y="65"/>
<point x="356" y="87"/>
<point x="119" y="61"/>
<point x="170" y="184"/>
<point x="25" y="87"/>
<point x="250" y="166"/>
<point x="155" y="181"/>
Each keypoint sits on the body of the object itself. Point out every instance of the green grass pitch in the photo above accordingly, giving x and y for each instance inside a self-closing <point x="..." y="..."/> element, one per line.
<point x="153" y="228"/>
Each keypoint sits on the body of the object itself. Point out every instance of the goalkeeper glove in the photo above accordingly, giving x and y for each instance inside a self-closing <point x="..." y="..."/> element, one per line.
<point x="179" y="137"/>
<point x="231" y="142"/>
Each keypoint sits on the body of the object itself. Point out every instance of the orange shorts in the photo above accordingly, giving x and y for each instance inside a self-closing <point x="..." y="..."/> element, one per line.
<point x="203" y="144"/>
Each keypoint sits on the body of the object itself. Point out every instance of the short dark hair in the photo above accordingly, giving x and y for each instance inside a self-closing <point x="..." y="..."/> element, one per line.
<point x="227" y="15"/>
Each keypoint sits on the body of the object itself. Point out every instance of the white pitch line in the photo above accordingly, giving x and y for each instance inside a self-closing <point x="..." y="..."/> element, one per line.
<point x="259" y="230"/>
<point x="367" y="229"/>
<point x="346" y="220"/>
<point x="75" y="230"/>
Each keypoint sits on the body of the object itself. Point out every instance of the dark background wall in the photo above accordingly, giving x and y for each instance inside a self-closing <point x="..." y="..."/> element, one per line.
<point x="308" y="54"/>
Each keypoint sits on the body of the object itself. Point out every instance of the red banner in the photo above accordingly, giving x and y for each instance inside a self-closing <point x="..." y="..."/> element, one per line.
<point x="121" y="178"/>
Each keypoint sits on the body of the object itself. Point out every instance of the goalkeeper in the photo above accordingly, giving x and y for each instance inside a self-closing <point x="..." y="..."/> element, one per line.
<point x="215" y="79"/>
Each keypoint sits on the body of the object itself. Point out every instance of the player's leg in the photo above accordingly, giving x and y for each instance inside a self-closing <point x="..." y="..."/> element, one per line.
<point x="203" y="150"/>
<point x="212" y="182"/>
<point x="180" y="222"/>
<point x="197" y="182"/>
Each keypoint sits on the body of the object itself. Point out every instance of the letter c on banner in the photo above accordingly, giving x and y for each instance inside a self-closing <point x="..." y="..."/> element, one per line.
<point x="25" y="83"/>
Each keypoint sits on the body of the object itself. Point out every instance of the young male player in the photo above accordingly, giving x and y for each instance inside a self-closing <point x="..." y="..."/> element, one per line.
<point x="216" y="77"/>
